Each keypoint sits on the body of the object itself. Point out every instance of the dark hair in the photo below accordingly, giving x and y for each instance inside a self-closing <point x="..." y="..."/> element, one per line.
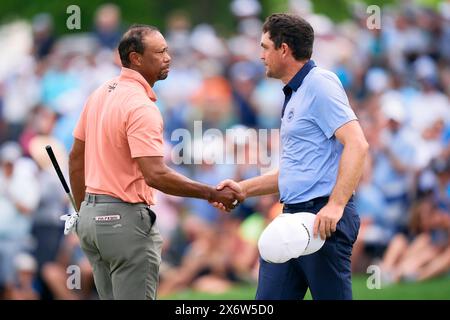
<point x="296" y="32"/>
<point x="132" y="41"/>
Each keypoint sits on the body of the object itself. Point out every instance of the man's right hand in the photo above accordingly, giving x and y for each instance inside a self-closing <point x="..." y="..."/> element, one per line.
<point x="226" y="198"/>
<point x="233" y="185"/>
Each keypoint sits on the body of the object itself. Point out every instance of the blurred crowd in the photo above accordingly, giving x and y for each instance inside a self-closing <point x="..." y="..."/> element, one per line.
<point x="397" y="78"/>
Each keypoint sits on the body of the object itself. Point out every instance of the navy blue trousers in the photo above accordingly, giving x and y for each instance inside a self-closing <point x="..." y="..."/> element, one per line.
<point x="327" y="272"/>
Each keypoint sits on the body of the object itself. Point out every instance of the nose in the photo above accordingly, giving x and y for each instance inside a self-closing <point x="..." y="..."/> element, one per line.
<point x="168" y="58"/>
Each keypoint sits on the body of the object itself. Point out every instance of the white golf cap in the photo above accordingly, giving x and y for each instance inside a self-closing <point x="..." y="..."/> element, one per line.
<point x="290" y="235"/>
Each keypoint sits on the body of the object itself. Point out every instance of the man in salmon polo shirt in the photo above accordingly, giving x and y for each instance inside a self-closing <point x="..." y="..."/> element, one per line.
<point x="116" y="163"/>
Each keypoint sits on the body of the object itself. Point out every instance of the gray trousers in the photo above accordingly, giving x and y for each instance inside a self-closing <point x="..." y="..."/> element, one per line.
<point x="123" y="245"/>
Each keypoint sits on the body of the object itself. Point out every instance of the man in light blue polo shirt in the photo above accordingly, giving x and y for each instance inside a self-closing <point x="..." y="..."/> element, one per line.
<point x="323" y="150"/>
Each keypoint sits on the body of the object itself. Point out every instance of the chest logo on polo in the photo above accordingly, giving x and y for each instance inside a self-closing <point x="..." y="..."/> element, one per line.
<point x="111" y="87"/>
<point x="290" y="115"/>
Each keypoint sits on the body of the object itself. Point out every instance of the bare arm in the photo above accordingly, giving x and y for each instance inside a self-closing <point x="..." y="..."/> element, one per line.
<point x="349" y="172"/>
<point x="351" y="163"/>
<point x="76" y="172"/>
<point x="261" y="185"/>
<point x="159" y="176"/>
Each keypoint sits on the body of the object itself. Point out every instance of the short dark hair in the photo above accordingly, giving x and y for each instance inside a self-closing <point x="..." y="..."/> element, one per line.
<point x="293" y="30"/>
<point x="132" y="41"/>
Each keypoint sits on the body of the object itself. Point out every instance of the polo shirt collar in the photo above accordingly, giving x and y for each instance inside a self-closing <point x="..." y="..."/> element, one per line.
<point x="297" y="80"/>
<point x="127" y="73"/>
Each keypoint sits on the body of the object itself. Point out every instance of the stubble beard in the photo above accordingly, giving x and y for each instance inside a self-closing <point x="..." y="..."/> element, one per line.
<point x="163" y="75"/>
<point x="270" y="74"/>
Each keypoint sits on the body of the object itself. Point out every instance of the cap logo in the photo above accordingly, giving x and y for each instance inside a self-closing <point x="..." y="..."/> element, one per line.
<point x="307" y="232"/>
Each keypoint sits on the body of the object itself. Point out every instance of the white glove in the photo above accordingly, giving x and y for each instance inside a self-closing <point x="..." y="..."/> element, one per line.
<point x="70" y="221"/>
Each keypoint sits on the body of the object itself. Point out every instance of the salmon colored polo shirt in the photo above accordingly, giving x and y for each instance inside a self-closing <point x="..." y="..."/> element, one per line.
<point x="119" y="123"/>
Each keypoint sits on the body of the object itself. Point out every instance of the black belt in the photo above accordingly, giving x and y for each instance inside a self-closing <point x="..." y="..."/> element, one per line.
<point x="302" y="206"/>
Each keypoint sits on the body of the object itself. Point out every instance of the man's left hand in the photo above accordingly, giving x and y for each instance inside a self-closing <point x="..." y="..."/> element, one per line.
<point x="70" y="222"/>
<point x="326" y="220"/>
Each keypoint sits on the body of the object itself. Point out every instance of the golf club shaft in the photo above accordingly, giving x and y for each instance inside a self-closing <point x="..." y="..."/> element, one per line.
<point x="60" y="175"/>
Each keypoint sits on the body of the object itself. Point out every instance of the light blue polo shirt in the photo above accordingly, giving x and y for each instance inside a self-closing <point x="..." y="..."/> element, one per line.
<point x="316" y="106"/>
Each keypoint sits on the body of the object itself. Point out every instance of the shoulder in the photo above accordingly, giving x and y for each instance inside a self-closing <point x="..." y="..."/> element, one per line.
<point x="131" y="97"/>
<point x="108" y="85"/>
<point x="144" y="108"/>
<point x="320" y="82"/>
<point x="145" y="117"/>
<point x="103" y="88"/>
<point x="138" y="99"/>
<point x="319" y="76"/>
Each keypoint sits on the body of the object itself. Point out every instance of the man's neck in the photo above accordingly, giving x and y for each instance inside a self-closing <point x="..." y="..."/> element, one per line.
<point x="291" y="70"/>
<point x="151" y="82"/>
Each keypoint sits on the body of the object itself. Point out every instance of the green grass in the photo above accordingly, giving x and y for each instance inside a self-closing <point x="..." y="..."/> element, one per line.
<point x="437" y="289"/>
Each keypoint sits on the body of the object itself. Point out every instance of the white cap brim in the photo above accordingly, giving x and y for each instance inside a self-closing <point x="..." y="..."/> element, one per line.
<point x="289" y="236"/>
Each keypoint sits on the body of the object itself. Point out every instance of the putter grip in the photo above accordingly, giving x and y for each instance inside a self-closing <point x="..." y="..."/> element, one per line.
<point x="57" y="168"/>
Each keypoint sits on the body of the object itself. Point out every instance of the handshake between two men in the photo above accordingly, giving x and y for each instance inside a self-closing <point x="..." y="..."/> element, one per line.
<point x="229" y="194"/>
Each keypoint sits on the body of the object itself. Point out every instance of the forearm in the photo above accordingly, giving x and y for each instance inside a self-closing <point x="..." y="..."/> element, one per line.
<point x="349" y="172"/>
<point x="171" y="182"/>
<point x="261" y="185"/>
<point x="77" y="183"/>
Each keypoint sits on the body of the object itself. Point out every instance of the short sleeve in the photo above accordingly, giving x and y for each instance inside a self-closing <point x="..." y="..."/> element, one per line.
<point x="331" y="108"/>
<point x="80" y="129"/>
<point x="144" y="131"/>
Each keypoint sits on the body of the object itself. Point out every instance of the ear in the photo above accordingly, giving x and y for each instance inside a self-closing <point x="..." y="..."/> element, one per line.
<point x="285" y="50"/>
<point x="135" y="58"/>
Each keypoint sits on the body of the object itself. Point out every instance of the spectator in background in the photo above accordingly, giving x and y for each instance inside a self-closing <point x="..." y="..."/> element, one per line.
<point x="408" y="257"/>
<point x="393" y="165"/>
<point x="19" y="197"/>
<point x="108" y="26"/>
<point x="244" y="44"/>
<point x="47" y="228"/>
<point x="216" y="256"/>
<point x="23" y="286"/>
<point x="200" y="254"/>
<point x="55" y="275"/>
<point x="374" y="234"/>
<point x="41" y="121"/>
<point x="405" y="63"/>
<point x="61" y="79"/>
<point x="43" y="35"/>
<point x="441" y="263"/>
<point x="214" y="91"/>
<point x="21" y="93"/>
<point x="244" y="76"/>
<point x="178" y="33"/>
<point x="422" y="252"/>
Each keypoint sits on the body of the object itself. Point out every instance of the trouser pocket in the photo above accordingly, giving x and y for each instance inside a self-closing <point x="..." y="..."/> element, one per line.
<point x="148" y="218"/>
<point x="348" y="226"/>
<point x="152" y="216"/>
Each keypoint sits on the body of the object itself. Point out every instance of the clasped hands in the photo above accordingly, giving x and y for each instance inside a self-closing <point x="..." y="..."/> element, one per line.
<point x="227" y="195"/>
<point x="325" y="223"/>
